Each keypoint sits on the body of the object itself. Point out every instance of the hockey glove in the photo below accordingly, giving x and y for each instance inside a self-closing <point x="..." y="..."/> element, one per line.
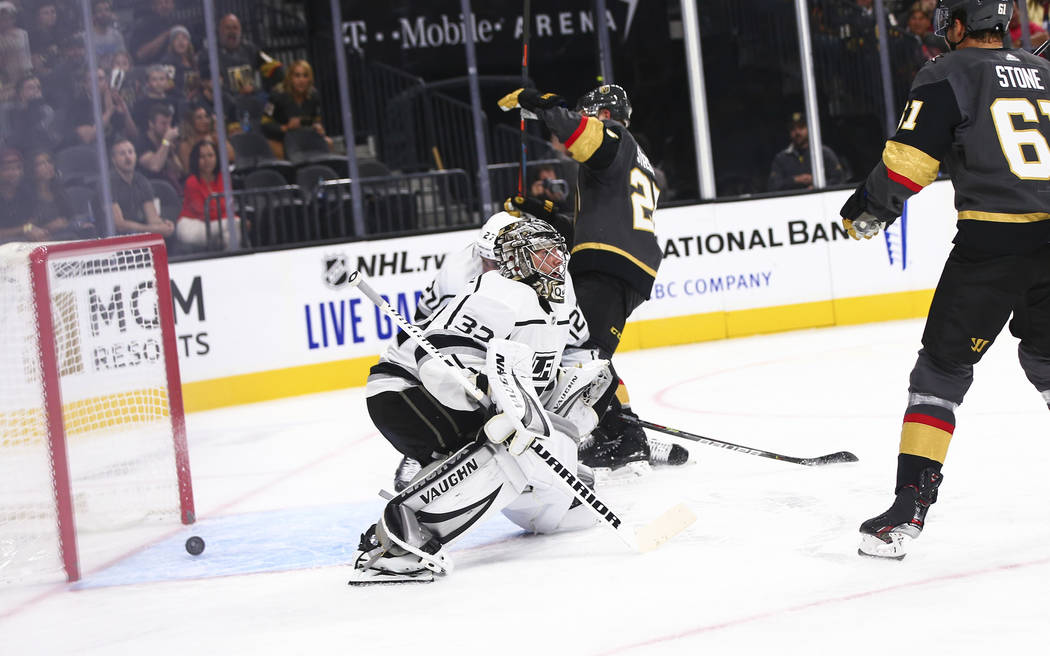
<point x="541" y="209"/>
<point x="857" y="220"/>
<point x="577" y="390"/>
<point x="531" y="100"/>
<point x="521" y="418"/>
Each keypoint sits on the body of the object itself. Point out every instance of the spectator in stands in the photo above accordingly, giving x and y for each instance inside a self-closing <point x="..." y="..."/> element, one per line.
<point x="181" y="62"/>
<point x="15" y="60"/>
<point x="199" y="125"/>
<point x="548" y="186"/>
<point x="1036" y="32"/>
<point x="134" y="206"/>
<point x="44" y="37"/>
<point x="203" y="180"/>
<point x="912" y="48"/>
<point x="1037" y="11"/>
<point x="202" y="95"/>
<point x="246" y="70"/>
<point x="119" y="66"/>
<point x="156" y="92"/>
<point x="52" y="211"/>
<point x="32" y="121"/>
<point x="294" y="104"/>
<point x="158" y="159"/>
<point x="68" y="72"/>
<point x="16" y="201"/>
<point x="116" y="117"/>
<point x="104" y="27"/>
<point x="792" y="168"/>
<point x="151" y="33"/>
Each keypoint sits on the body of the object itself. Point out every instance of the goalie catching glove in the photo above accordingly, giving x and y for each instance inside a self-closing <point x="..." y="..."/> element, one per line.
<point x="857" y="220"/>
<point x="530" y="100"/>
<point x="521" y="417"/>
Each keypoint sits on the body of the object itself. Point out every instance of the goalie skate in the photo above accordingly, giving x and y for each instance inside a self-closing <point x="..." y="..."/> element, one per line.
<point x="362" y="577"/>
<point x="383" y="558"/>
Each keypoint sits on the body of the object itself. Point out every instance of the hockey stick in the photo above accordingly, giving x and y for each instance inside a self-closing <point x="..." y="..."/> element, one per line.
<point x="645" y="538"/>
<point x="525" y="34"/>
<point x="1038" y="52"/>
<point x="830" y="459"/>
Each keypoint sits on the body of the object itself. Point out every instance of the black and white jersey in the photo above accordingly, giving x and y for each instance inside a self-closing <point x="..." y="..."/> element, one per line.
<point x="458" y="269"/>
<point x="616" y="197"/>
<point x="490" y="306"/>
<point x="984" y="113"/>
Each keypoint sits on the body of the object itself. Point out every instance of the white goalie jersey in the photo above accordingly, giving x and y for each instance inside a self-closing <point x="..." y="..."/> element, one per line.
<point x="488" y="306"/>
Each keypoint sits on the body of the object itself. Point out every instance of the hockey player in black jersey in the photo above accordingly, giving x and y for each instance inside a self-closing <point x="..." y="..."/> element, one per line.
<point x="984" y="111"/>
<point x="615" y="254"/>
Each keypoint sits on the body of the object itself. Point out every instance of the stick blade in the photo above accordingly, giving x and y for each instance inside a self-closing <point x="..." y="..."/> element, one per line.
<point x="836" y="458"/>
<point x="664" y="527"/>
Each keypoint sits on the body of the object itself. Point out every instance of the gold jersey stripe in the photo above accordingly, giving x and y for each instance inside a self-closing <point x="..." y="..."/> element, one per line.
<point x="910" y="162"/>
<point x="996" y="217"/>
<point x="598" y="246"/>
<point x="587" y="140"/>
<point x="925" y="441"/>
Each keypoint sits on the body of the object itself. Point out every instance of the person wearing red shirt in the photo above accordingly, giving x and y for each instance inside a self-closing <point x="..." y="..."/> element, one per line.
<point x="192" y="229"/>
<point x="1035" y="31"/>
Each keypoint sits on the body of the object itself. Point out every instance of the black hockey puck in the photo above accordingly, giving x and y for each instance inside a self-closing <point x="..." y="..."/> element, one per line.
<point x="195" y="545"/>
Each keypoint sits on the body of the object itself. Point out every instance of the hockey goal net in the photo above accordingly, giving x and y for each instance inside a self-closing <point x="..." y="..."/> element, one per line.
<point x="92" y="434"/>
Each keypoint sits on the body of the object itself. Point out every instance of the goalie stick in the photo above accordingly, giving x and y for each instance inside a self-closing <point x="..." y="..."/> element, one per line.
<point x="829" y="459"/>
<point x="645" y="538"/>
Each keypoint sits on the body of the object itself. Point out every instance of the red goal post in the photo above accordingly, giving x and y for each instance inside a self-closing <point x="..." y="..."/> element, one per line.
<point x="92" y="429"/>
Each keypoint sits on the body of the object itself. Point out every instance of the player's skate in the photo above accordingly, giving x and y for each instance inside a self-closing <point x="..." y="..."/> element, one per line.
<point x="616" y="456"/>
<point x="666" y="453"/>
<point x="398" y="550"/>
<point x="406" y="471"/>
<point x="889" y="534"/>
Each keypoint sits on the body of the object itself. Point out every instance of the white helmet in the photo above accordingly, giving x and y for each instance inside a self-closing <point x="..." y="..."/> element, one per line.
<point x="485" y="246"/>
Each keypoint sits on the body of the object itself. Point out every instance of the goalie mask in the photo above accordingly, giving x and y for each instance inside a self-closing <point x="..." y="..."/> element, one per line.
<point x="607" y="96"/>
<point x="976" y="15"/>
<point x="531" y="251"/>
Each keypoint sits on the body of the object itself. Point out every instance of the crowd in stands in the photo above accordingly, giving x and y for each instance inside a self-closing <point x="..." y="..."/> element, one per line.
<point x="845" y="46"/>
<point x="157" y="114"/>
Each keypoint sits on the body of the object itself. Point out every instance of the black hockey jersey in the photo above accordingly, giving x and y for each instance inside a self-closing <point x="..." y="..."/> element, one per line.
<point x="986" y="114"/>
<point x="616" y="197"/>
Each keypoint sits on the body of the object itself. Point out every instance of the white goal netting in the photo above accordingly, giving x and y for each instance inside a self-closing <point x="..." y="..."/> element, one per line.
<point x="107" y="352"/>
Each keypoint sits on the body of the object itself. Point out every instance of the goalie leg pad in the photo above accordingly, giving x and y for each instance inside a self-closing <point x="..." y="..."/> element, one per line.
<point x="544" y="506"/>
<point x="462" y="492"/>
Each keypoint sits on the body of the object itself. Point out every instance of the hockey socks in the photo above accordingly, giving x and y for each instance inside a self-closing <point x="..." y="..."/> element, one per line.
<point x="928" y="427"/>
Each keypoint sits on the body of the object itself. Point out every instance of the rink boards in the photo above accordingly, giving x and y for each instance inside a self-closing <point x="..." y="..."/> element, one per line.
<point x="269" y="325"/>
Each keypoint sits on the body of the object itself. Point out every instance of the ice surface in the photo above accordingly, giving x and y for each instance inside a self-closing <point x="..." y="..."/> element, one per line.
<point x="284" y="488"/>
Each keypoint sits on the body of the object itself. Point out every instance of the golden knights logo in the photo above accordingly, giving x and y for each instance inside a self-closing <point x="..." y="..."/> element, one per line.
<point x="336" y="272"/>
